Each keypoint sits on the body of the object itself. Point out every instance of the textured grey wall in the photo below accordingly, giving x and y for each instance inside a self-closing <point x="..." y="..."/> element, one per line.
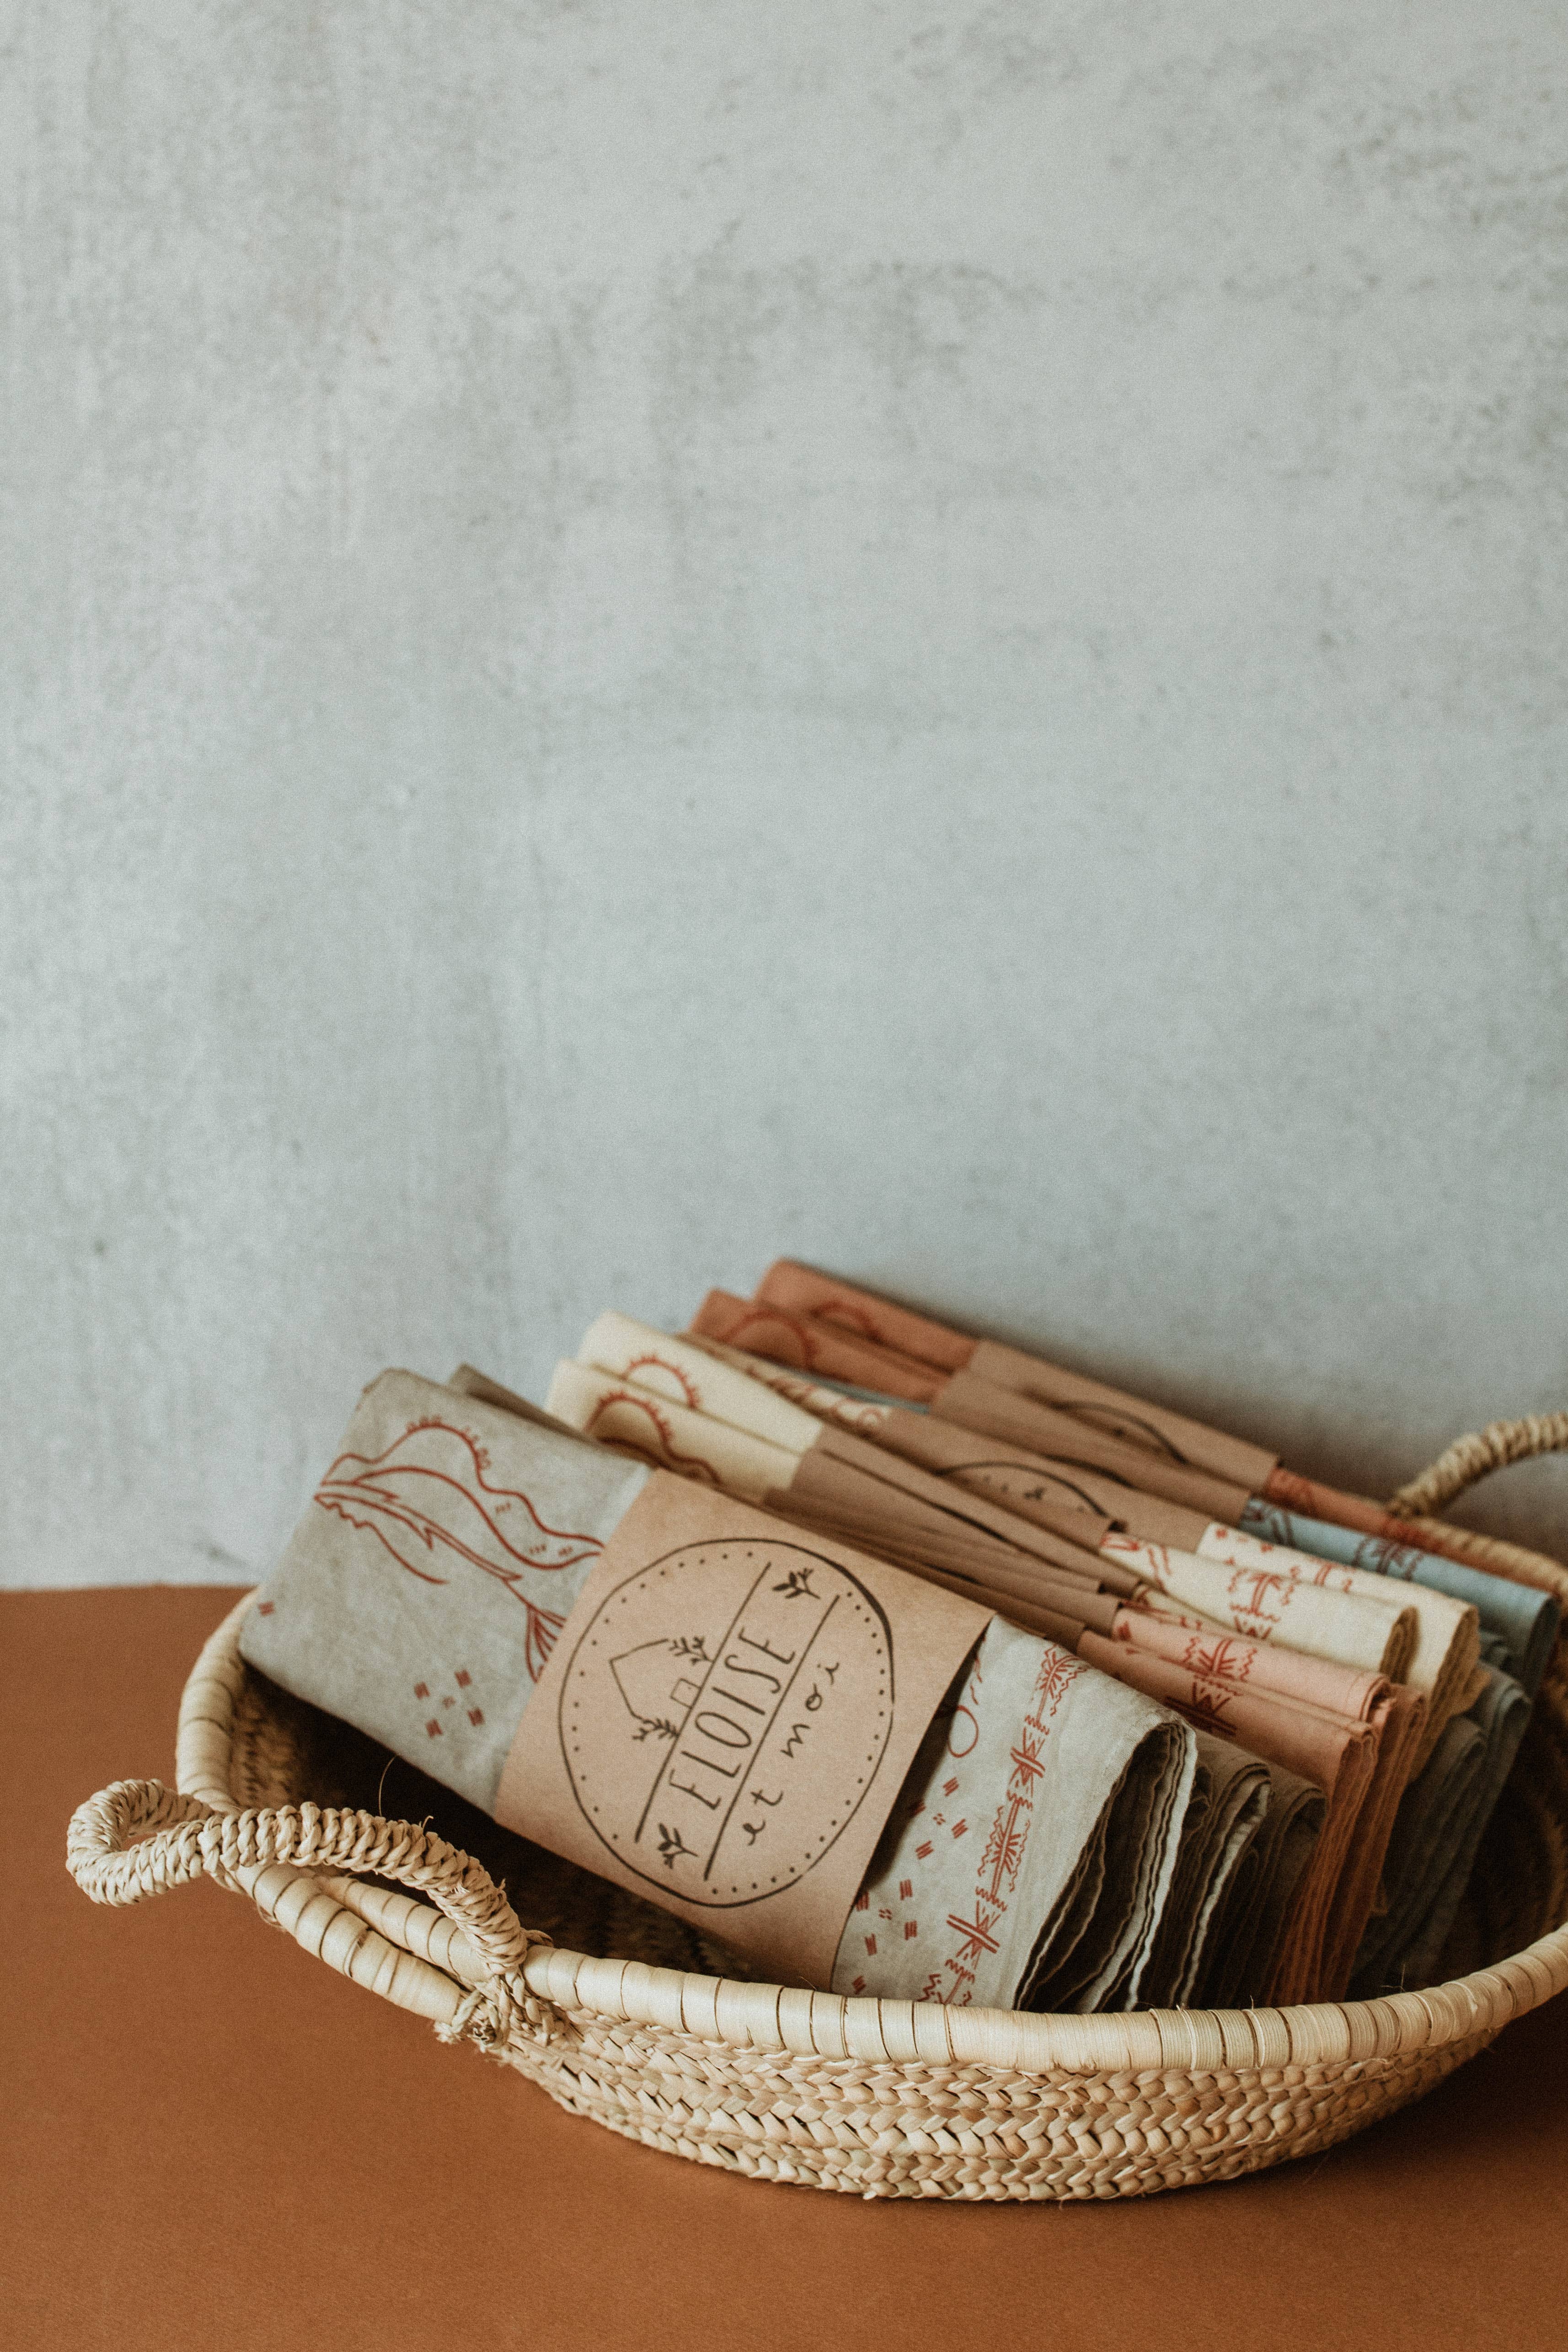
<point x="637" y="635"/>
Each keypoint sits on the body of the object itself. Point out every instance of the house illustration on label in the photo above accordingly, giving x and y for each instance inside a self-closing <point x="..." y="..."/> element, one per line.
<point x="654" y="1689"/>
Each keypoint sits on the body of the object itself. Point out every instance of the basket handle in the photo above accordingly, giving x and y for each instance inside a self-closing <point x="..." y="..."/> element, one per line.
<point x="1469" y="1458"/>
<point x="137" y="1838"/>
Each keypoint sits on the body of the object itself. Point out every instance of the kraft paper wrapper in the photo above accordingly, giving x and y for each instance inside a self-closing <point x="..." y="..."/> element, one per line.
<point x="874" y="1489"/>
<point x="1007" y="1588"/>
<point x="1046" y="1493"/>
<point x="801" y="1291"/>
<point x="981" y="1405"/>
<point x="825" y="1480"/>
<point x="728" y="1719"/>
<point x="859" y="1414"/>
<point x="965" y="1398"/>
<point x="974" y="1509"/>
<point x="1080" y="1504"/>
<point x="812" y="1346"/>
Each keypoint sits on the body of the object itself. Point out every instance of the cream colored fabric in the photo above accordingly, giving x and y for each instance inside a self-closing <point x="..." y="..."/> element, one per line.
<point x="620" y="1413"/>
<point x="685" y="1374"/>
<point x="1375" y="1632"/>
<point x="841" y="1405"/>
<point x="1444" y="1665"/>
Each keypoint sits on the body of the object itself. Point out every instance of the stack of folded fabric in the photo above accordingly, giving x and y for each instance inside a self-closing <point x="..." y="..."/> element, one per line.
<point x="908" y="1664"/>
<point x="849" y="1776"/>
<point x="1089" y="1482"/>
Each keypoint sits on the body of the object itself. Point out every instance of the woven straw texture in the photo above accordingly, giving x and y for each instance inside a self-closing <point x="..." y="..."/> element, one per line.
<point x="634" y="2027"/>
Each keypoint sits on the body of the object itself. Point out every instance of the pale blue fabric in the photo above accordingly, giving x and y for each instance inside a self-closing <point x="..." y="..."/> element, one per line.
<point x="1525" y="1619"/>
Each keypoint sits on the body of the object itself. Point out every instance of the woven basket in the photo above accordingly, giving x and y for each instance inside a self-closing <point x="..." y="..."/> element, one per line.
<point x="884" y="2098"/>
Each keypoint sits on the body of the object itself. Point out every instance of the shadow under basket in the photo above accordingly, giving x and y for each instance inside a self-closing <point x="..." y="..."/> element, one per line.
<point x="626" y="2015"/>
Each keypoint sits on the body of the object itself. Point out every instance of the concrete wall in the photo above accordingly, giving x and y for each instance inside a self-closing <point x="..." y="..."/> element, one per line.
<point x="637" y="636"/>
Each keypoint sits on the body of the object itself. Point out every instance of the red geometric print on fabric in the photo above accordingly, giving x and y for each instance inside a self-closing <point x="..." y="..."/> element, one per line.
<point x="658" y="1442"/>
<point x="1206" y="1710"/>
<point x="427" y="1495"/>
<point x="1218" y="1659"/>
<point x="1007" y="1840"/>
<point x="976" y="1932"/>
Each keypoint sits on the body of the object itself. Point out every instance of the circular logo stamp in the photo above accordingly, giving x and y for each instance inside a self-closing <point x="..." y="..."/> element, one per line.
<point x="723" y="1714"/>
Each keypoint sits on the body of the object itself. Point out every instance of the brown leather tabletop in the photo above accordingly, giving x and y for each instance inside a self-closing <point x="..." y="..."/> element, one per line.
<point x="213" y="2141"/>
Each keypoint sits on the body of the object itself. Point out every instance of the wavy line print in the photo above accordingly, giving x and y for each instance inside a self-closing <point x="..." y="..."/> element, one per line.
<point x="683" y="1380"/>
<point x="666" y="1451"/>
<point x="428" y="1490"/>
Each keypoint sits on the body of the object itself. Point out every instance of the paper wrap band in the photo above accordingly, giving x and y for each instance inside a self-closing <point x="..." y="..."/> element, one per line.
<point x="728" y="1718"/>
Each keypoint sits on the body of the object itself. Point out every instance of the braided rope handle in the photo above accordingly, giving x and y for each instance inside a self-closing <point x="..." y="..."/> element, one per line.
<point x="138" y="1839"/>
<point x="1469" y="1458"/>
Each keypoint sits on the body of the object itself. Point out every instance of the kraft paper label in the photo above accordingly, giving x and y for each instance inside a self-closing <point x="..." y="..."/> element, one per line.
<point x="728" y="1717"/>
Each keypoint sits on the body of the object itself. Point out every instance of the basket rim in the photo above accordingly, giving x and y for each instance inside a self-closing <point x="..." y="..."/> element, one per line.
<point x="763" y="2018"/>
